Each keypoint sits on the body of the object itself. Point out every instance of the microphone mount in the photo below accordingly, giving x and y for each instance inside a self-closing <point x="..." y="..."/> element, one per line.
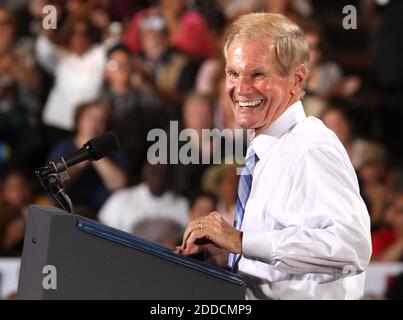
<point x="55" y="173"/>
<point x="53" y="167"/>
<point x="53" y="184"/>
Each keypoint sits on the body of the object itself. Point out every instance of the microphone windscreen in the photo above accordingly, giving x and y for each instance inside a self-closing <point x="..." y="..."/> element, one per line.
<point x="103" y="144"/>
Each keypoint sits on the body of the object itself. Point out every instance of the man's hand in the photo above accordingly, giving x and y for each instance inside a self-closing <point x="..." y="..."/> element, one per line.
<point x="211" y="229"/>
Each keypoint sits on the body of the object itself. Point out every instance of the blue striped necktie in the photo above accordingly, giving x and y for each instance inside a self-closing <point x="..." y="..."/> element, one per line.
<point x="244" y="187"/>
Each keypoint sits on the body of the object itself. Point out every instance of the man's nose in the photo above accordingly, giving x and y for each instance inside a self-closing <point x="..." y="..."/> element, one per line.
<point x="244" y="85"/>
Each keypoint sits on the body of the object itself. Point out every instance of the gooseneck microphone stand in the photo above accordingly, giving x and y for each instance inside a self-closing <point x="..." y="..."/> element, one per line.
<point x="55" y="173"/>
<point x="53" y="184"/>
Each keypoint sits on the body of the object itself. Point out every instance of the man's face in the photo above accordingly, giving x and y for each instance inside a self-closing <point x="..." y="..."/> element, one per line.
<point x="157" y="178"/>
<point x="118" y="67"/>
<point x="154" y="43"/>
<point x="258" y="93"/>
<point x="16" y="191"/>
<point x="80" y="39"/>
<point x="93" y="121"/>
<point x="337" y="122"/>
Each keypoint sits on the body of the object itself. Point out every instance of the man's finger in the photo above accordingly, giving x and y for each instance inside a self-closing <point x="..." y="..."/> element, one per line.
<point x="192" y="249"/>
<point x="193" y="226"/>
<point x="195" y="235"/>
<point x="188" y="231"/>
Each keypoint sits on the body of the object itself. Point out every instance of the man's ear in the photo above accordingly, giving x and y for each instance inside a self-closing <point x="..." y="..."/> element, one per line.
<point x="300" y="74"/>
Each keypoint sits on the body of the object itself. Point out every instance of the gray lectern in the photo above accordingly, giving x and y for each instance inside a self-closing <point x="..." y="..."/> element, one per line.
<point x="71" y="257"/>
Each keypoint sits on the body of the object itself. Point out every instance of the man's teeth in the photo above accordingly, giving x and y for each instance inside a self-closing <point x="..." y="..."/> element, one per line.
<point x="249" y="103"/>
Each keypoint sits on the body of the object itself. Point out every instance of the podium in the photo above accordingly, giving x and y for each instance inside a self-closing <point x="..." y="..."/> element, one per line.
<point x="68" y="256"/>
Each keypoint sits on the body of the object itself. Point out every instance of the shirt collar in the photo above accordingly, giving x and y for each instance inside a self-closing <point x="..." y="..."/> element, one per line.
<point x="294" y="114"/>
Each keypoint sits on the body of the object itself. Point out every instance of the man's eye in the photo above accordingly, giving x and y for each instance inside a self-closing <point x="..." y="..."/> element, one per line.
<point x="257" y="75"/>
<point x="232" y="74"/>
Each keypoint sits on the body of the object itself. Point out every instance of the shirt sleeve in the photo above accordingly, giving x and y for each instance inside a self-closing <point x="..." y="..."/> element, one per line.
<point x="47" y="53"/>
<point x="326" y="224"/>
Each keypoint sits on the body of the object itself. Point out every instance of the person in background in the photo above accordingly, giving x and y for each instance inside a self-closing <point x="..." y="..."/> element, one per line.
<point x="227" y="182"/>
<point x="233" y="9"/>
<point x="136" y="110"/>
<point x="119" y="89"/>
<point x="91" y="182"/>
<point x="197" y="115"/>
<point x="369" y="159"/>
<point x="326" y="79"/>
<point x="79" y="8"/>
<point x="77" y="61"/>
<point x="212" y="66"/>
<point x="337" y="118"/>
<point x="150" y="199"/>
<point x="123" y="10"/>
<point x="96" y="10"/>
<point x="223" y="116"/>
<point x="16" y="194"/>
<point x="377" y="177"/>
<point x="201" y="204"/>
<point x="164" y="231"/>
<point x="19" y="83"/>
<point x="187" y="29"/>
<point x="388" y="47"/>
<point x="387" y="243"/>
<point x="163" y="69"/>
<point x="222" y="180"/>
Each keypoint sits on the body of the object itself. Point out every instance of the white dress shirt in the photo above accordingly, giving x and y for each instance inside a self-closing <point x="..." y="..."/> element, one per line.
<point x="125" y="208"/>
<point x="306" y="229"/>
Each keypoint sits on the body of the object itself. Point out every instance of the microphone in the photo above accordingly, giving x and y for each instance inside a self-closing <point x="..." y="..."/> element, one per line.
<point x="94" y="149"/>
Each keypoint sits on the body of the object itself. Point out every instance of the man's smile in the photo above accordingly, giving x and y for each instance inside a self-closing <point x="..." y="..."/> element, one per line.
<point x="249" y="104"/>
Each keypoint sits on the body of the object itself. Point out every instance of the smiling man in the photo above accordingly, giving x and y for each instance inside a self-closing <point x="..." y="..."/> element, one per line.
<point x="302" y="231"/>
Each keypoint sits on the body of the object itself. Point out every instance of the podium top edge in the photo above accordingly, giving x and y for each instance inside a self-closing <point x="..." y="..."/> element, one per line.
<point x="127" y="239"/>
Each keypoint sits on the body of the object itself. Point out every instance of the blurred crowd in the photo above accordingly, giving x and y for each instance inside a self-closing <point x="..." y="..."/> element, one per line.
<point x="134" y="65"/>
